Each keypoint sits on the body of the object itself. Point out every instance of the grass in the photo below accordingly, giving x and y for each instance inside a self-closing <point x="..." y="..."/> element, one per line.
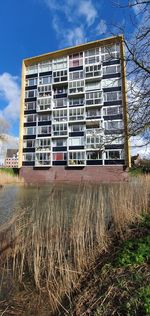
<point x="71" y="257"/>
<point x="9" y="175"/>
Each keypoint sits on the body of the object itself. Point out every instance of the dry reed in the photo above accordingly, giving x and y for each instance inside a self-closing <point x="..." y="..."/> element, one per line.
<point x="56" y="245"/>
<point x="6" y="178"/>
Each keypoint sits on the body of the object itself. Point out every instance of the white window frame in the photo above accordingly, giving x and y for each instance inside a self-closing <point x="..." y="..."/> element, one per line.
<point x="76" y="87"/>
<point x="107" y="96"/>
<point x="76" y="114"/>
<point x="113" y="124"/>
<point x="28" y="104"/>
<point x="112" y="110"/>
<point x="60" y="115"/>
<point x="27" y="92"/>
<point x="76" y="75"/>
<point x="40" y="129"/>
<point x="63" y="102"/>
<point x="25" y="155"/>
<point x="60" y="129"/>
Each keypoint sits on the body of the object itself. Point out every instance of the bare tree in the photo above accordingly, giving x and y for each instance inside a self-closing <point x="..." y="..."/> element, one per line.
<point x="138" y="67"/>
<point x="3" y="129"/>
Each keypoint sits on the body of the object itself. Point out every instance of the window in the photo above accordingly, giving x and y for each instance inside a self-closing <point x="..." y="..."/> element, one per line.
<point x="110" y="52"/>
<point x="76" y="141"/>
<point x="96" y="85"/>
<point x="59" y="76"/>
<point x="94" y="141"/>
<point x="76" y="87"/>
<point x="114" y="154"/>
<point x="59" y="142"/>
<point x="76" y="114"/>
<point x="112" y="125"/>
<point x="94" y="98"/>
<point x="92" y="52"/>
<point x="29" y="106"/>
<point x="77" y="158"/>
<point x="44" y="91"/>
<point x="59" y="156"/>
<point x="30" y="130"/>
<point x="112" y="110"/>
<point x="45" y="80"/>
<point x="60" y="90"/>
<point x="29" y="157"/>
<point x="43" y="159"/>
<point x="30" y="143"/>
<point x="30" y="118"/>
<point x="44" y="129"/>
<point x="45" y="66"/>
<point x="92" y="60"/>
<point x="114" y="139"/>
<point x="108" y="83"/>
<point x="60" y="103"/>
<point x="93" y="71"/>
<point x="44" y="104"/>
<point x="43" y="144"/>
<point x="93" y="113"/>
<point x="30" y="94"/>
<point x="32" y="69"/>
<point x="60" y="115"/>
<point x="76" y="102"/>
<point x="60" y="129"/>
<point x="94" y="155"/>
<point x="44" y="117"/>
<point x="75" y="75"/>
<point x="112" y="96"/>
<point x="107" y="70"/>
<point x="31" y="82"/>
<point x="60" y="63"/>
<point x="77" y="128"/>
<point x="76" y="60"/>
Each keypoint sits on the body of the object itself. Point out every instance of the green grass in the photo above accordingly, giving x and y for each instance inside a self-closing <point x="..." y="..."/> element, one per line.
<point x="134" y="171"/>
<point x="11" y="171"/>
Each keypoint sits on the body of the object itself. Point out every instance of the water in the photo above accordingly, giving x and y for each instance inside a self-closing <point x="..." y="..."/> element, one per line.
<point x="19" y="197"/>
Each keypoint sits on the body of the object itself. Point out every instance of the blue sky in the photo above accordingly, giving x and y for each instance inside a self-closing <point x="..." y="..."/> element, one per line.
<point x="33" y="27"/>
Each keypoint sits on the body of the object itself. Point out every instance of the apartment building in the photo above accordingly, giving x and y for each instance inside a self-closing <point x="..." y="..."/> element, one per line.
<point x="74" y="111"/>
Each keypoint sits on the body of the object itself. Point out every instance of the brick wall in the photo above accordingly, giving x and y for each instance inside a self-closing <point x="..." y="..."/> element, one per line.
<point x="63" y="174"/>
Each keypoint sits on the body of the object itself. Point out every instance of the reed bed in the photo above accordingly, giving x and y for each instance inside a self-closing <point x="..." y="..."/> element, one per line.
<point x="53" y="247"/>
<point x="7" y="178"/>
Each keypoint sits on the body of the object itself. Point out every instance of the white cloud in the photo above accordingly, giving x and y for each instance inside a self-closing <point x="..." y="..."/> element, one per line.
<point x="101" y="27"/>
<point x="10" y="93"/>
<point x="74" y="36"/>
<point x="79" y="17"/>
<point x="87" y="9"/>
<point x="140" y="146"/>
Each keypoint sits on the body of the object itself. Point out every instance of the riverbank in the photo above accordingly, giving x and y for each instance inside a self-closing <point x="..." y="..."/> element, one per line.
<point x="63" y="254"/>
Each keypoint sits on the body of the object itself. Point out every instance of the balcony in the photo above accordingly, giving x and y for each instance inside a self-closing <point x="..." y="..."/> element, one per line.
<point x="44" y="104"/>
<point x="43" y="160"/>
<point x="76" y="158"/>
<point x="94" y="131"/>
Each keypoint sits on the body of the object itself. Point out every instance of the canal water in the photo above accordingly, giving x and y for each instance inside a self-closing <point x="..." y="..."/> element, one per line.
<point x="14" y="197"/>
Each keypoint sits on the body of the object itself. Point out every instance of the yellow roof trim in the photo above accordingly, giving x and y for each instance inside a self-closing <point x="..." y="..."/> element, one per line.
<point x="69" y="50"/>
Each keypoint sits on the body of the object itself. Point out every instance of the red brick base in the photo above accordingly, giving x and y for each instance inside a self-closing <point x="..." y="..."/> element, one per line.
<point x="63" y="174"/>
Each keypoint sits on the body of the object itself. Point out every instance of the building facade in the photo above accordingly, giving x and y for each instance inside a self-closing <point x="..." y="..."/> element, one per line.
<point x="74" y="109"/>
<point x="11" y="160"/>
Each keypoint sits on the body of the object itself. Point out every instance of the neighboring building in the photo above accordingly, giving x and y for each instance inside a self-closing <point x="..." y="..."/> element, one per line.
<point x="74" y="113"/>
<point x="11" y="160"/>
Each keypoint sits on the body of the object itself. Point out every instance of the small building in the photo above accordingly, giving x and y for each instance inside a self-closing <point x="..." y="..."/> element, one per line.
<point x="11" y="160"/>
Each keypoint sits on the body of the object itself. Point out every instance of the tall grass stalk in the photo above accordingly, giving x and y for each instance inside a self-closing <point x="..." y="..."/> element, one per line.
<point x="9" y="178"/>
<point x="55" y="246"/>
